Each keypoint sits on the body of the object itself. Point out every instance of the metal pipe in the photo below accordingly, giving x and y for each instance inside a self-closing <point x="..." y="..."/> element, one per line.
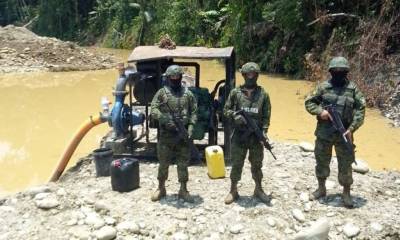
<point x="69" y="151"/>
<point x="120" y="92"/>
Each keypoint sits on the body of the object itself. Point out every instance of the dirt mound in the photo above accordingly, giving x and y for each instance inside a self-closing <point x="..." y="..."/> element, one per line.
<point x="166" y="42"/>
<point x="12" y="33"/>
<point x="23" y="51"/>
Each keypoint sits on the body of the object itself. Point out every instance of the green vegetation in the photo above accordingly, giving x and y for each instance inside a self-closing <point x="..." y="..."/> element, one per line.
<point x="275" y="33"/>
<point x="12" y="11"/>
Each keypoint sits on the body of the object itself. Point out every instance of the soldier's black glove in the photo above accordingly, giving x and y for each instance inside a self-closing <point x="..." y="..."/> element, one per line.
<point x="167" y="123"/>
<point x="170" y="126"/>
<point x="239" y="120"/>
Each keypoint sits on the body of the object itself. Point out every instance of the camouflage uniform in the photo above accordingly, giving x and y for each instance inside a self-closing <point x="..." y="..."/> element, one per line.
<point x="258" y="107"/>
<point x="169" y="146"/>
<point x="350" y="104"/>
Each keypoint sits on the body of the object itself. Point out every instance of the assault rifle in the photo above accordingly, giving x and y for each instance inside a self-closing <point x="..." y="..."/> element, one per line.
<point x="253" y="128"/>
<point x="182" y="132"/>
<point x="338" y="126"/>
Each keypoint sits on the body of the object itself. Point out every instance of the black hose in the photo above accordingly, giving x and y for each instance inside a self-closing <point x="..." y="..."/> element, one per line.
<point x="214" y="91"/>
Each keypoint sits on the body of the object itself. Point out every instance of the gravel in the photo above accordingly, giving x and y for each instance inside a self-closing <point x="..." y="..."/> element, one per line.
<point x="88" y="208"/>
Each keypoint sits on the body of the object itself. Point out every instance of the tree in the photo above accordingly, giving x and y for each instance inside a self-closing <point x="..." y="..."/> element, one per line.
<point x="58" y="18"/>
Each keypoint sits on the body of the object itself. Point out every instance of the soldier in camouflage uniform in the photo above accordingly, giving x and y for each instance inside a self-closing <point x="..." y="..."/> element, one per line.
<point x="255" y="101"/>
<point x="169" y="146"/>
<point x="350" y="104"/>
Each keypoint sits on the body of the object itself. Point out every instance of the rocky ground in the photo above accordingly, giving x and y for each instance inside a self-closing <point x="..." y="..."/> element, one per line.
<point x="81" y="206"/>
<point x="392" y="108"/>
<point x="23" y="51"/>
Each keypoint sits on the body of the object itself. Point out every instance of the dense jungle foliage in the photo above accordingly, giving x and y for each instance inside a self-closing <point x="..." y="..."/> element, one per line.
<point x="275" y="33"/>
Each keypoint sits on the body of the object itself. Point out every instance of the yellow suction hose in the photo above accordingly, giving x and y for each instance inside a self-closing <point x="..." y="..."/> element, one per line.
<point x="69" y="151"/>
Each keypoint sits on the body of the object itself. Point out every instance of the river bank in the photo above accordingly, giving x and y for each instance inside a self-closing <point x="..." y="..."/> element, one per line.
<point x="81" y="206"/>
<point x="392" y="107"/>
<point x="23" y="51"/>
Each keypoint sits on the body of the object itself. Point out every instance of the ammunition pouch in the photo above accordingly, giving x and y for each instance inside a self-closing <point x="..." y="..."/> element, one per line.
<point x="344" y="106"/>
<point x="153" y="123"/>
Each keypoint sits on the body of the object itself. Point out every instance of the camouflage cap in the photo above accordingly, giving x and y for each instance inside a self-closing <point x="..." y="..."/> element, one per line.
<point x="250" y="67"/>
<point x="174" y="70"/>
<point x="339" y="62"/>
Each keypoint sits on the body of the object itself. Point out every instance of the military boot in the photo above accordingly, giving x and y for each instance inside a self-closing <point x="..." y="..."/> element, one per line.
<point x="184" y="194"/>
<point x="260" y="194"/>
<point x="346" y="197"/>
<point x="160" y="192"/>
<point x="233" y="195"/>
<point x="321" y="191"/>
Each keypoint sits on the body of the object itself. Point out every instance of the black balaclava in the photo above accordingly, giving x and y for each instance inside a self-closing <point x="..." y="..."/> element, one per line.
<point x="250" y="82"/>
<point x="176" y="84"/>
<point x="338" y="78"/>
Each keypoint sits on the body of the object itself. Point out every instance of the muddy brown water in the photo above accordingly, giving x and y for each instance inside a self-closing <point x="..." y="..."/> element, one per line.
<point x="41" y="111"/>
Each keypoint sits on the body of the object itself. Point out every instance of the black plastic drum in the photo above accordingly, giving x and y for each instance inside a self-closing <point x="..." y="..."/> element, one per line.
<point x="102" y="159"/>
<point x="125" y="174"/>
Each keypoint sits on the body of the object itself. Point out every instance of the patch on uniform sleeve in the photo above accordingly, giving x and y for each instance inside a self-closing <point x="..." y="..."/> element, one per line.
<point x="362" y="101"/>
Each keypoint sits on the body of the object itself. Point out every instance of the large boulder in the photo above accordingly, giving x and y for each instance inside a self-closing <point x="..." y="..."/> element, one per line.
<point x="319" y="230"/>
<point x="360" y="167"/>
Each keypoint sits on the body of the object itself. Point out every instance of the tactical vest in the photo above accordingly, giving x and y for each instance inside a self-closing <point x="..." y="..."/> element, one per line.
<point x="343" y="98"/>
<point x="252" y="105"/>
<point x="179" y="103"/>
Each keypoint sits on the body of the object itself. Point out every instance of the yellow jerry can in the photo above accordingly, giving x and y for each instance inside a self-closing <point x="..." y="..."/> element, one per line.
<point x="215" y="162"/>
